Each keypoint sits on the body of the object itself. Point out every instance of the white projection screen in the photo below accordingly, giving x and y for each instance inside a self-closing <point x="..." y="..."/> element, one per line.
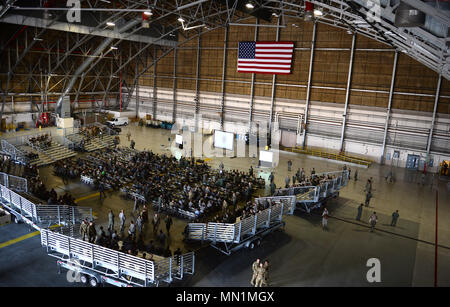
<point x="223" y="139"/>
<point x="266" y="156"/>
<point x="179" y="139"/>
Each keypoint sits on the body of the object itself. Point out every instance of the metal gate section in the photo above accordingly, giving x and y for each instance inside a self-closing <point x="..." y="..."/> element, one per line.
<point x="115" y="265"/>
<point x="41" y="215"/>
<point x="234" y="236"/>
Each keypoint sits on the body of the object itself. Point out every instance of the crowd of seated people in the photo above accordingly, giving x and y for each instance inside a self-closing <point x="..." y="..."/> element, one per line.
<point x="67" y="168"/>
<point x="172" y="184"/>
<point x="42" y="141"/>
<point x="127" y="243"/>
<point x="93" y="131"/>
<point x="26" y="171"/>
<point x="39" y="190"/>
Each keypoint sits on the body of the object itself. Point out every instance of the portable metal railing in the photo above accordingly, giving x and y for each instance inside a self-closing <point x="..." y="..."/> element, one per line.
<point x="114" y="264"/>
<point x="234" y="236"/>
<point x="312" y="197"/>
<point x="14" y="182"/>
<point x="39" y="216"/>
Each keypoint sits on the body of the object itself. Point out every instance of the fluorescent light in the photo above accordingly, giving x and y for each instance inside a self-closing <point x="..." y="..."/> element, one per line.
<point x="148" y="13"/>
<point x="318" y="12"/>
<point x="114" y="48"/>
<point x="110" y="24"/>
<point x="180" y="19"/>
<point x="249" y="5"/>
<point x="106" y="1"/>
<point x="37" y="39"/>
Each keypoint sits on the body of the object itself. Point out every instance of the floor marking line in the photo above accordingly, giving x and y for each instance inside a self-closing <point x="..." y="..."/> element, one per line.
<point x="87" y="197"/>
<point x="24" y="237"/>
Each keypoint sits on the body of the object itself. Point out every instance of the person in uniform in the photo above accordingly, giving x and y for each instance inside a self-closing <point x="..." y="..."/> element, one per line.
<point x="360" y="209"/>
<point x="395" y="217"/>
<point x="254" y="269"/>
<point x="111" y="221"/>
<point x="92" y="233"/>
<point x="325" y="218"/>
<point x="287" y="180"/>
<point x="260" y="272"/>
<point x="266" y="267"/>
<point x="373" y="221"/>
<point x="155" y="222"/>
<point x="83" y="229"/>
<point x="169" y="223"/>
<point x="122" y="220"/>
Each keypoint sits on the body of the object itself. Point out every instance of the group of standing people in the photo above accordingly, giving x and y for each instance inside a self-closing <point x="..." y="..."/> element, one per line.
<point x="260" y="273"/>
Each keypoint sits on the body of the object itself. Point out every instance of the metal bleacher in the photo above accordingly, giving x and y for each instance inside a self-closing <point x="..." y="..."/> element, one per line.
<point x="311" y="197"/>
<point x="227" y="237"/>
<point x="111" y="266"/>
<point x="93" y="143"/>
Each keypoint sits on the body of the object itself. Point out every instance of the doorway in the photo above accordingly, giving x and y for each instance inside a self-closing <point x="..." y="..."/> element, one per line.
<point x="412" y="162"/>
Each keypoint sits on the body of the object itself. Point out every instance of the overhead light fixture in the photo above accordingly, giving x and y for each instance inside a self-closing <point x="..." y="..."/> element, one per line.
<point x="110" y="24"/>
<point x="37" y="39"/>
<point x="250" y="5"/>
<point x="114" y="48"/>
<point x="106" y="1"/>
<point x="318" y="12"/>
<point x="180" y="19"/>
<point x="275" y="14"/>
<point x="148" y="13"/>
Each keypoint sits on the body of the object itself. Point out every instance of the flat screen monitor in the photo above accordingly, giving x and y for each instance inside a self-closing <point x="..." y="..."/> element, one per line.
<point x="223" y="139"/>
<point x="179" y="139"/>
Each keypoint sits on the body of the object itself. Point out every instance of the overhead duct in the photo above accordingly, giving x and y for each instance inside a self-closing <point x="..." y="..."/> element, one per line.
<point x="407" y="16"/>
<point x="257" y="11"/>
<point x="89" y="61"/>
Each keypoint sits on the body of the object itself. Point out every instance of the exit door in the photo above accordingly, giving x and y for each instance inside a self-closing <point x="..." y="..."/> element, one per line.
<point x="412" y="162"/>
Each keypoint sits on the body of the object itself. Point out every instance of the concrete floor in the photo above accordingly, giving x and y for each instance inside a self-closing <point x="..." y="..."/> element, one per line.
<point x="301" y="255"/>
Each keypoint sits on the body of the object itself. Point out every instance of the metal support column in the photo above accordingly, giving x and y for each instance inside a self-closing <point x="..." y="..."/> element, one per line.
<point x="388" y="113"/>
<point x="436" y="101"/>
<point x="308" y="88"/>
<point x="224" y="69"/>
<point x="174" y="107"/>
<point x="274" y="80"/>
<point x="347" y="91"/>
<point x="155" y="89"/>
<point x="136" y="73"/>
<point x="197" y="83"/>
<point x="252" y="89"/>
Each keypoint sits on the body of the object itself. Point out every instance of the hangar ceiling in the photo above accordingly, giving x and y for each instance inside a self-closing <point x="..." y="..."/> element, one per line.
<point x="418" y="28"/>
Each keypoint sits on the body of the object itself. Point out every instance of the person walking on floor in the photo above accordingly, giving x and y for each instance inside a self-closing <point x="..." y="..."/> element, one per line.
<point x="92" y="233"/>
<point x="110" y="221"/>
<point x="122" y="219"/>
<point x="373" y="221"/>
<point x="289" y="163"/>
<point x="325" y="218"/>
<point x="395" y="217"/>
<point x="132" y="230"/>
<point x="132" y="144"/>
<point x="259" y="275"/>
<point x="287" y="181"/>
<point x="169" y="222"/>
<point x="128" y="136"/>
<point x="101" y="189"/>
<point x="266" y="267"/>
<point x="356" y="175"/>
<point x="83" y="229"/>
<point x="255" y="266"/>
<point x="368" y="197"/>
<point x="360" y="209"/>
<point x="155" y="223"/>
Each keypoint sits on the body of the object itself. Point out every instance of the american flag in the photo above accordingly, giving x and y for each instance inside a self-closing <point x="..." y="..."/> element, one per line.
<point x="265" y="57"/>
